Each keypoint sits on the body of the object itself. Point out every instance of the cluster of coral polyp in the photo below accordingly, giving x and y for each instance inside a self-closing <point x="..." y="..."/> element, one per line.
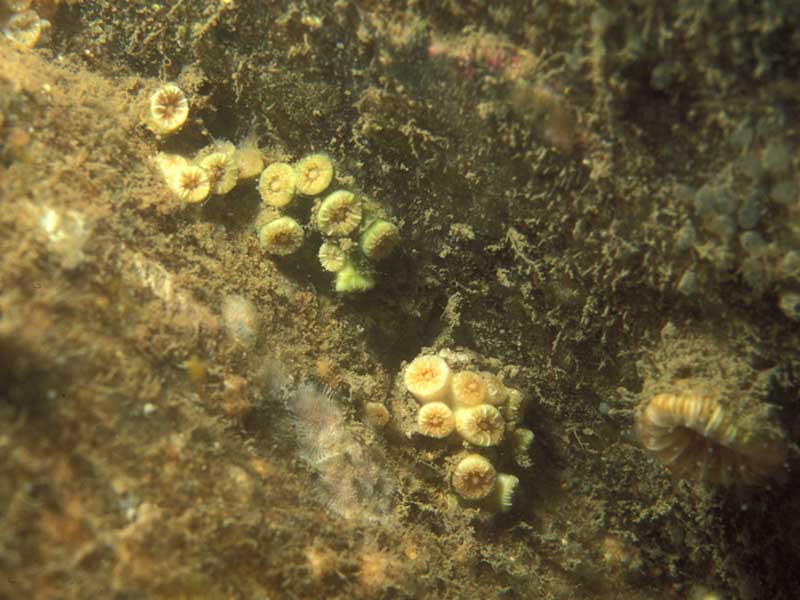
<point x="461" y="400"/>
<point x="355" y="231"/>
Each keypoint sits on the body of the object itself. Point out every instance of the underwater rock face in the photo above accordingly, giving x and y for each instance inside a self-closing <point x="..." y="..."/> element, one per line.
<point x="205" y="203"/>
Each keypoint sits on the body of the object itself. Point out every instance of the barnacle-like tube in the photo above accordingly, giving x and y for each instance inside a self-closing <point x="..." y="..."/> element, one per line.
<point x="698" y="439"/>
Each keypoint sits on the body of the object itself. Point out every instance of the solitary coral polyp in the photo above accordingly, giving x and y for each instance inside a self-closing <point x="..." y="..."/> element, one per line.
<point x="697" y="439"/>
<point x="496" y="392"/>
<point x="26" y="28"/>
<point x="435" y="420"/>
<point x="169" y="165"/>
<point x="314" y="174"/>
<point x="352" y="278"/>
<point x="474" y="477"/>
<point x="428" y="378"/>
<point x="168" y="109"/>
<point x="332" y="257"/>
<point x="222" y="172"/>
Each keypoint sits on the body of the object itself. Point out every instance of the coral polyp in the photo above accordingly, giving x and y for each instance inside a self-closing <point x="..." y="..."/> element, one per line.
<point x="428" y="379"/>
<point x="277" y="184"/>
<point x="314" y="174"/>
<point x="482" y="425"/>
<point x="435" y="420"/>
<point x="191" y="184"/>
<point x="474" y="477"/>
<point x="339" y="214"/>
<point x="282" y="236"/>
<point x="469" y="389"/>
<point x="168" y="109"/>
<point x="696" y="438"/>
<point x="222" y="172"/>
<point x="379" y="240"/>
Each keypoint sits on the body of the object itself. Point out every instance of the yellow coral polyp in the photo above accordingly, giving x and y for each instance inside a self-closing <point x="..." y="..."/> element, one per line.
<point x="481" y="425"/>
<point x="169" y="165"/>
<point x="314" y="174"/>
<point x="379" y="239"/>
<point x="696" y="437"/>
<point x="469" y="389"/>
<point x="428" y="378"/>
<point x="167" y="109"/>
<point x="332" y="257"/>
<point x="353" y="278"/>
<point x="277" y="184"/>
<point x="281" y="237"/>
<point x="191" y="184"/>
<point x="339" y="214"/>
<point x="435" y="420"/>
<point x="474" y="477"/>
<point x="26" y="28"/>
<point x="222" y="172"/>
<point x="496" y="392"/>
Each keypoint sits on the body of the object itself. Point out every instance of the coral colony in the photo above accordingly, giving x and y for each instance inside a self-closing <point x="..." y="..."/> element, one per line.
<point x="355" y="231"/>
